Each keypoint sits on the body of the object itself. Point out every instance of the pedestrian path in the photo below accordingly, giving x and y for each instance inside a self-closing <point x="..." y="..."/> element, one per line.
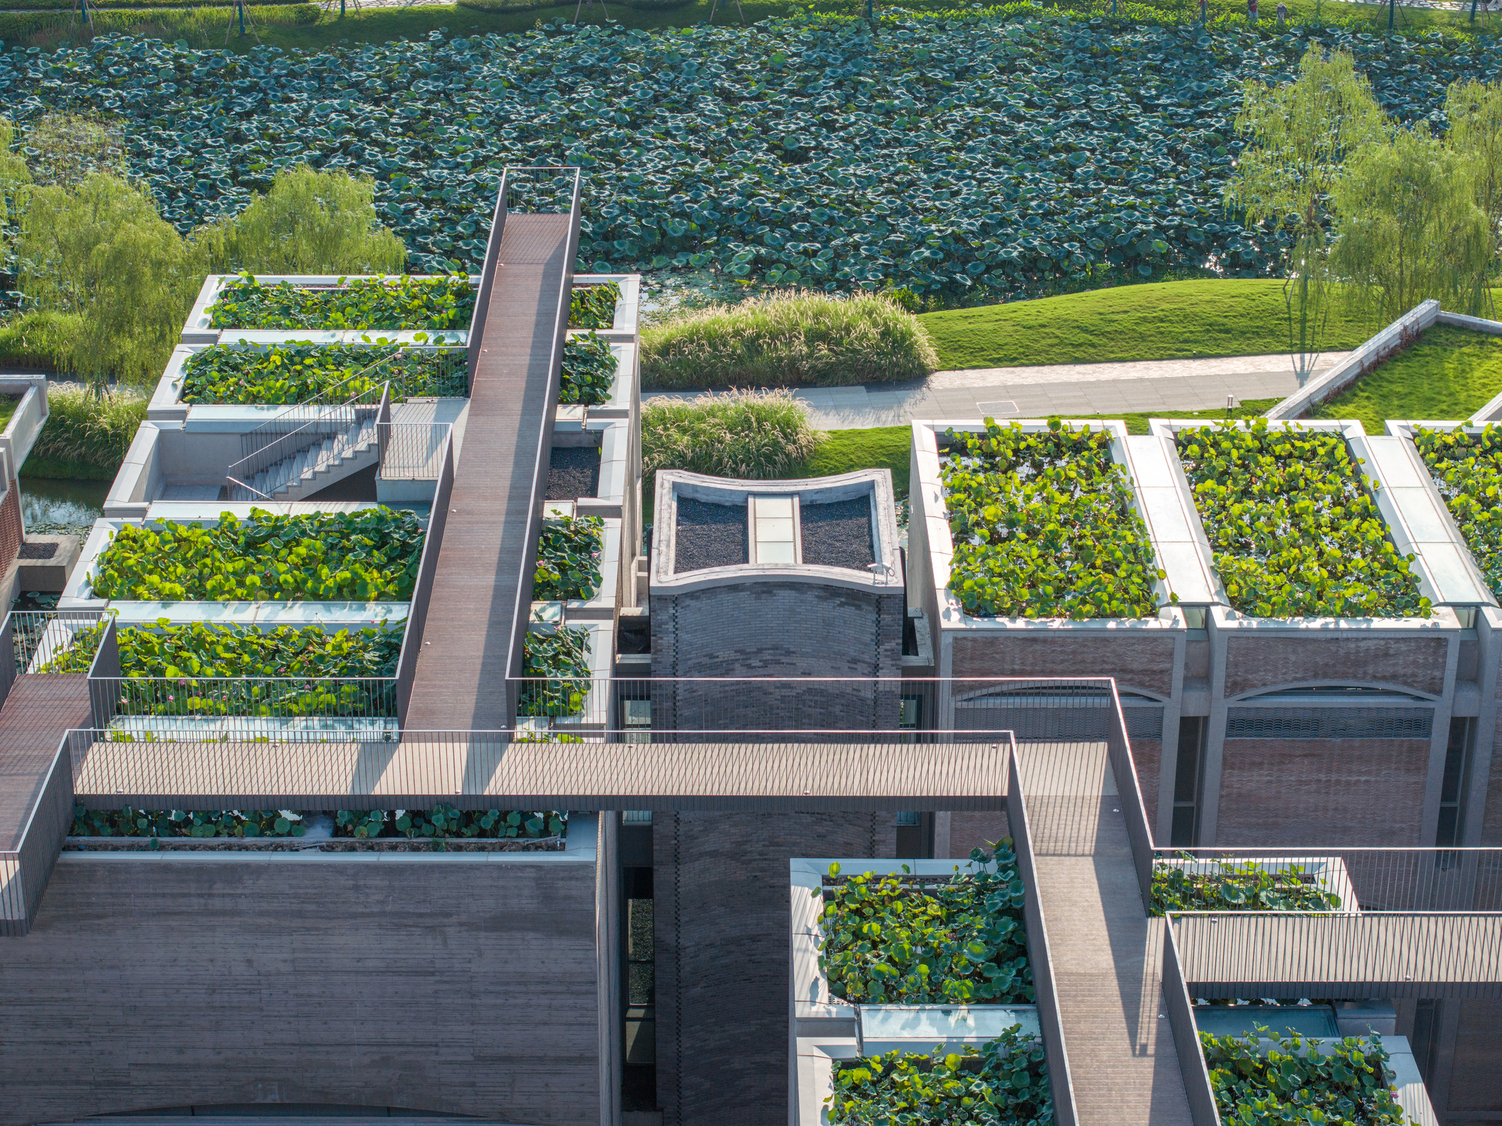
<point x="1063" y="389"/>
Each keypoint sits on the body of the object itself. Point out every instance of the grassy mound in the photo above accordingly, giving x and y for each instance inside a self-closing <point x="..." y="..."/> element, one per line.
<point x="788" y="339"/>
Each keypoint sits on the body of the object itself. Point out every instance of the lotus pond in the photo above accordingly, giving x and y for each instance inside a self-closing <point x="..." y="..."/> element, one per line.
<point x="1237" y="886"/>
<point x="1002" y="1083"/>
<point x="1467" y="468"/>
<point x="978" y="154"/>
<point x="367" y="556"/>
<point x="905" y="940"/>
<point x="557" y="671"/>
<point x="1045" y="525"/>
<point x="1292" y="527"/>
<point x="440" y="822"/>
<point x="568" y="559"/>
<point x="1293" y="1081"/>
<point x="295" y="372"/>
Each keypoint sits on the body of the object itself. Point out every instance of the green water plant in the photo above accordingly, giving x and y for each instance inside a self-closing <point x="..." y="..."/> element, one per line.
<point x="593" y="306"/>
<point x="446" y="821"/>
<point x="568" y="559"/>
<point x="130" y="822"/>
<point x="440" y="301"/>
<point x="1230" y="885"/>
<point x="556" y="672"/>
<point x="206" y="650"/>
<point x="1045" y="525"/>
<point x="1467" y="469"/>
<point x="1293" y="1080"/>
<point x="890" y="939"/>
<point x="1292" y="524"/>
<point x="296" y="371"/>
<point x="1004" y="1082"/>
<point x="370" y="555"/>
<point x="588" y="370"/>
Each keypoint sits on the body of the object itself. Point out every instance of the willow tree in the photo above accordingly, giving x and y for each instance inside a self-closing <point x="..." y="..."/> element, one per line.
<point x="102" y="255"/>
<point x="1475" y="113"/>
<point x="1300" y="136"/>
<point x="70" y="147"/>
<point x="14" y="176"/>
<point x="1409" y="227"/>
<point x="309" y="222"/>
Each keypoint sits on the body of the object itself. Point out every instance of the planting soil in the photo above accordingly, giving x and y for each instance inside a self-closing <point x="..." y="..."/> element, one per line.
<point x="710" y="535"/>
<point x="573" y="472"/>
<point x="838" y="534"/>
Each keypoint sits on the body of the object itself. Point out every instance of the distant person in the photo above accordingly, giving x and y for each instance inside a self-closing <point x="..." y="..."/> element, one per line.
<point x="1202" y="12"/>
<point x="1251" y="11"/>
<point x="1282" y="13"/>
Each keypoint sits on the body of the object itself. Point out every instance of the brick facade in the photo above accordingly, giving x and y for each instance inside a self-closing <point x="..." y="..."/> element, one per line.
<point x="1347" y="792"/>
<point x="11" y="530"/>
<point x="721" y="933"/>
<point x="1137" y="659"/>
<point x="1148" y="755"/>
<point x="1475" y="1081"/>
<point x="1259" y="663"/>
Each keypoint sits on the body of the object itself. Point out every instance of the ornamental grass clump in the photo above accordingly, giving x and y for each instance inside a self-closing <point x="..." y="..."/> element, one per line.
<point x="297" y="371"/>
<point x="371" y="555"/>
<point x="588" y="370"/>
<point x="1293" y="529"/>
<point x="751" y="435"/>
<point x="1003" y="1083"/>
<point x="1467" y="468"/>
<point x="905" y="940"/>
<point x="568" y="559"/>
<point x="1348" y="1083"/>
<point x="791" y="338"/>
<point x="1045" y="526"/>
<point x="1230" y="886"/>
<point x="445" y="301"/>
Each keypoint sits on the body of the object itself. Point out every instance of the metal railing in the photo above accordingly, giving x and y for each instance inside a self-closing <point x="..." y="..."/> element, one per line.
<point x="331" y="418"/>
<point x="1371" y="880"/>
<point x="427" y="567"/>
<point x="24" y="869"/>
<point x="448" y="378"/>
<point x="1340" y="956"/>
<point x="413" y="451"/>
<point x="1186" y="1039"/>
<point x="47" y="641"/>
<point x="149" y="704"/>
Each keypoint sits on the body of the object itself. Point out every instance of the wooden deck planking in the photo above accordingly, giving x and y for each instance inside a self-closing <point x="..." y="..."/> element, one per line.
<point x="1107" y="956"/>
<point x="38" y="712"/>
<point x="484" y="573"/>
<point x="475" y="773"/>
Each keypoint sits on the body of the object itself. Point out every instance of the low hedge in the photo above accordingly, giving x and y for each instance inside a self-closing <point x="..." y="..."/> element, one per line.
<point x="793" y="338"/>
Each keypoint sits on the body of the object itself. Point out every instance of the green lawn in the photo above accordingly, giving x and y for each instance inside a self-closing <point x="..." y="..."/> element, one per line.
<point x="1447" y="374"/>
<point x="1155" y="321"/>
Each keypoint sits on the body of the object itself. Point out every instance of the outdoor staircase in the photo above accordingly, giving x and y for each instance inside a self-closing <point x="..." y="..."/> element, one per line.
<point x="321" y="463"/>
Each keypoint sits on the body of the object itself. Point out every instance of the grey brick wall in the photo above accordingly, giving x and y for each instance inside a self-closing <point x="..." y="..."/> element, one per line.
<point x="1136" y="660"/>
<point x="1475" y="1081"/>
<point x="722" y="944"/>
<point x="446" y="985"/>
<point x="1148" y="755"/>
<point x="1253" y="663"/>
<point x="1298" y="793"/>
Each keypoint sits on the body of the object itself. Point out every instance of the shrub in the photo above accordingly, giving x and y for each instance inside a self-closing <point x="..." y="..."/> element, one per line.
<point x="1292" y="528"/>
<point x="1294" y="1081"/>
<point x="383" y="303"/>
<point x="568" y="559"/>
<point x="1045" y="526"/>
<point x="91" y="430"/>
<point x="896" y="940"/>
<point x="1232" y="886"/>
<point x="756" y="435"/>
<point x="588" y="370"/>
<point x="295" y="372"/>
<point x="1004" y="1083"/>
<point x="367" y="556"/>
<point x="793" y="338"/>
<point x="593" y="306"/>
<point x="1467" y="468"/>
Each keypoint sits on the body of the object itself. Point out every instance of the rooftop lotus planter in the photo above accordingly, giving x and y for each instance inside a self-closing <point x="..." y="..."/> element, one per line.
<point x="1288" y="1079"/>
<point x="1187" y="882"/>
<point x="579" y="574"/>
<point x="1289" y="512"/>
<point x="606" y="303"/>
<point x="441" y="823"/>
<point x="566" y="672"/>
<point x="1465" y="465"/>
<point x="438" y="301"/>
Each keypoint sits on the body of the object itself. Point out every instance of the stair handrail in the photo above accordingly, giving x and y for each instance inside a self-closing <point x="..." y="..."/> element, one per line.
<point x="323" y="397"/>
<point x="329" y="422"/>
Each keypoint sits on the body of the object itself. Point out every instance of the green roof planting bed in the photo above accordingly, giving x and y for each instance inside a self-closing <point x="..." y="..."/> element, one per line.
<point x="1291" y="1080"/>
<point x="371" y="555"/>
<point x="1003" y="1083"/>
<point x="556" y="668"/>
<point x="588" y="370"/>
<point x="444" y="301"/>
<point x="903" y="940"/>
<point x="1467" y="468"/>
<point x="1292" y="526"/>
<point x="1232" y="885"/>
<point x="593" y="306"/>
<point x="1447" y="373"/>
<point x="296" y="371"/>
<point x="568" y="559"/>
<point x="440" y="822"/>
<point x="1045" y="525"/>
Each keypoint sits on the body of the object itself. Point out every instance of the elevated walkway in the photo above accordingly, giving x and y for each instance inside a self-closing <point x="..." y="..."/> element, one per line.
<point x="481" y="591"/>
<point x="1106" y="953"/>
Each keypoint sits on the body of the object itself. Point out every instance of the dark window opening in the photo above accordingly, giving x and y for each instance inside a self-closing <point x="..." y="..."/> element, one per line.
<point x="1452" y="794"/>
<point x="1188" y="781"/>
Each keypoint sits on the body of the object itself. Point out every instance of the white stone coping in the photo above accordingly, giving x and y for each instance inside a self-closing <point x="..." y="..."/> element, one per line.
<point x="625" y="388"/>
<point x="78" y="595"/>
<point x="197" y="330"/>
<point x="873" y="483"/>
<point x="265" y="616"/>
<point x="627" y="308"/>
<point x="26" y="423"/>
<point x="814" y="1059"/>
<point x="1177" y="535"/>
<point x="814" y="1006"/>
<point x="929" y="505"/>
<point x="1329" y="872"/>
<point x="1375" y="482"/>
<point x="138" y="479"/>
<point x="1369" y="356"/>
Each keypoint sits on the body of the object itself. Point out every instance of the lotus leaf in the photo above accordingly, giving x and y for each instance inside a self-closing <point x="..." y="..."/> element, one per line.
<point x="295" y="372"/>
<point x="568" y="559"/>
<point x="1467" y="468"/>
<point x="1342" y="1083"/>
<point x="1232" y="886"/>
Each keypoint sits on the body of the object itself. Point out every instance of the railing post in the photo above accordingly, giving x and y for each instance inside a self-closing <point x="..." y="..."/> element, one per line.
<point x="383" y="424"/>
